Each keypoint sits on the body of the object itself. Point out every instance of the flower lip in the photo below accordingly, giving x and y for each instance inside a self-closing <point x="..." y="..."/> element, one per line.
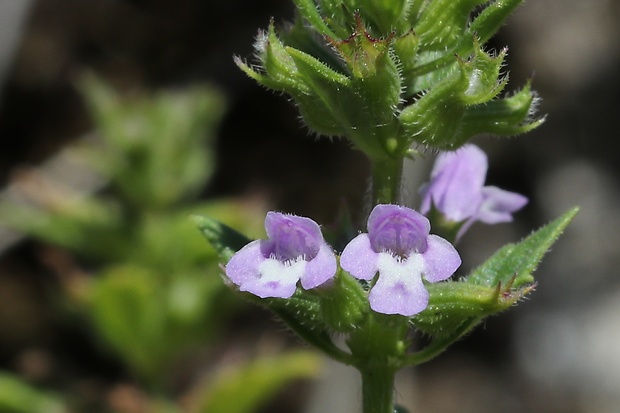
<point x="397" y="230"/>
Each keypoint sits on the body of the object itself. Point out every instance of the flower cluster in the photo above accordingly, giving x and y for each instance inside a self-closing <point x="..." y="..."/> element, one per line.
<point x="398" y="246"/>
<point x="396" y="256"/>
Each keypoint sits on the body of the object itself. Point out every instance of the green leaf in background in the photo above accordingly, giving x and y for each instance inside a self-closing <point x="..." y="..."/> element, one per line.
<point x="152" y="321"/>
<point x="18" y="397"/>
<point x="154" y="146"/>
<point x="242" y="389"/>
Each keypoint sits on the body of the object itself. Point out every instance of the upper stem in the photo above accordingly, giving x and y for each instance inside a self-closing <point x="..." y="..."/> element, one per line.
<point x="386" y="180"/>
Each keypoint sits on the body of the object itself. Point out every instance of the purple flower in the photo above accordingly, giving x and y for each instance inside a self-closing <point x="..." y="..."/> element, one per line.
<point x="399" y="247"/>
<point x="457" y="190"/>
<point x="294" y="251"/>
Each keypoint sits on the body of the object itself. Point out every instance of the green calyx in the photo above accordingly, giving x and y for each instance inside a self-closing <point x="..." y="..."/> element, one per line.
<point x="387" y="74"/>
<point x="436" y="119"/>
<point x="344" y="303"/>
<point x="359" y="105"/>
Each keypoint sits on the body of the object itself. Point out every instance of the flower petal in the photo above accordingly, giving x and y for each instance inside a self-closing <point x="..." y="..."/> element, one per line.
<point x="277" y="279"/>
<point x="359" y="259"/>
<point x="320" y="269"/>
<point x="441" y="259"/>
<point x="456" y="183"/>
<point x="244" y="265"/>
<point x="399" y="289"/>
<point x="498" y="205"/>
<point x="291" y="237"/>
<point x="397" y="229"/>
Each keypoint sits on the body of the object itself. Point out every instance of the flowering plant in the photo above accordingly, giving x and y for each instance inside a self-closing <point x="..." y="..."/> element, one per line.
<point x="388" y="75"/>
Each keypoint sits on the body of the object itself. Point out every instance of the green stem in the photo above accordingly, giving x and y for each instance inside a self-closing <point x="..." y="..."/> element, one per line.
<point x="379" y="347"/>
<point x="378" y="389"/>
<point x="386" y="181"/>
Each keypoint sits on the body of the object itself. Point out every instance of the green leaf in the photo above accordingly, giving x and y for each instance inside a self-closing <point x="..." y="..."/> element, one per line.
<point x="154" y="150"/>
<point x="152" y="319"/>
<point x="454" y="303"/>
<point x="455" y="307"/>
<point x="242" y="389"/>
<point x="225" y="240"/>
<point x="126" y="311"/>
<point x="515" y="263"/>
<point x="18" y="397"/>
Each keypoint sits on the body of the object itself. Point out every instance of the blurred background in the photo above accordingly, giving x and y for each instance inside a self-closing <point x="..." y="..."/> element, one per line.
<point x="119" y="118"/>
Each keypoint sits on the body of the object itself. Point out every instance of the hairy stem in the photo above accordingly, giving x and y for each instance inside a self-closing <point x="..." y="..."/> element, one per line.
<point x="386" y="181"/>
<point x="378" y="389"/>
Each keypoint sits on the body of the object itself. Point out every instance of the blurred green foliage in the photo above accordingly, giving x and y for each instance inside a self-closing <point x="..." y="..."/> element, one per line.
<point x="18" y="397"/>
<point x="257" y="381"/>
<point x="157" y="294"/>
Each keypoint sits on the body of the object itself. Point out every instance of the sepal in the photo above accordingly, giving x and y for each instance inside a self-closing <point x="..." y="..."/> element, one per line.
<point x="406" y="48"/>
<point x="386" y="15"/>
<point x="507" y="116"/>
<point x="443" y="23"/>
<point x="488" y="22"/>
<point x="277" y="70"/>
<point x="362" y="53"/>
<point x="436" y="118"/>
<point x="483" y="26"/>
<point x="344" y="303"/>
<point x="359" y="105"/>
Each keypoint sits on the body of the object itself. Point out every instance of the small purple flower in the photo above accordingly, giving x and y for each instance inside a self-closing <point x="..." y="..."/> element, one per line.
<point x="398" y="246"/>
<point x="294" y="251"/>
<point x="457" y="190"/>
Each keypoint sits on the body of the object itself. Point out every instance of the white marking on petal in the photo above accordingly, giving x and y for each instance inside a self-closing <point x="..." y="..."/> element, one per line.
<point x="396" y="268"/>
<point x="276" y="271"/>
<point x="399" y="289"/>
